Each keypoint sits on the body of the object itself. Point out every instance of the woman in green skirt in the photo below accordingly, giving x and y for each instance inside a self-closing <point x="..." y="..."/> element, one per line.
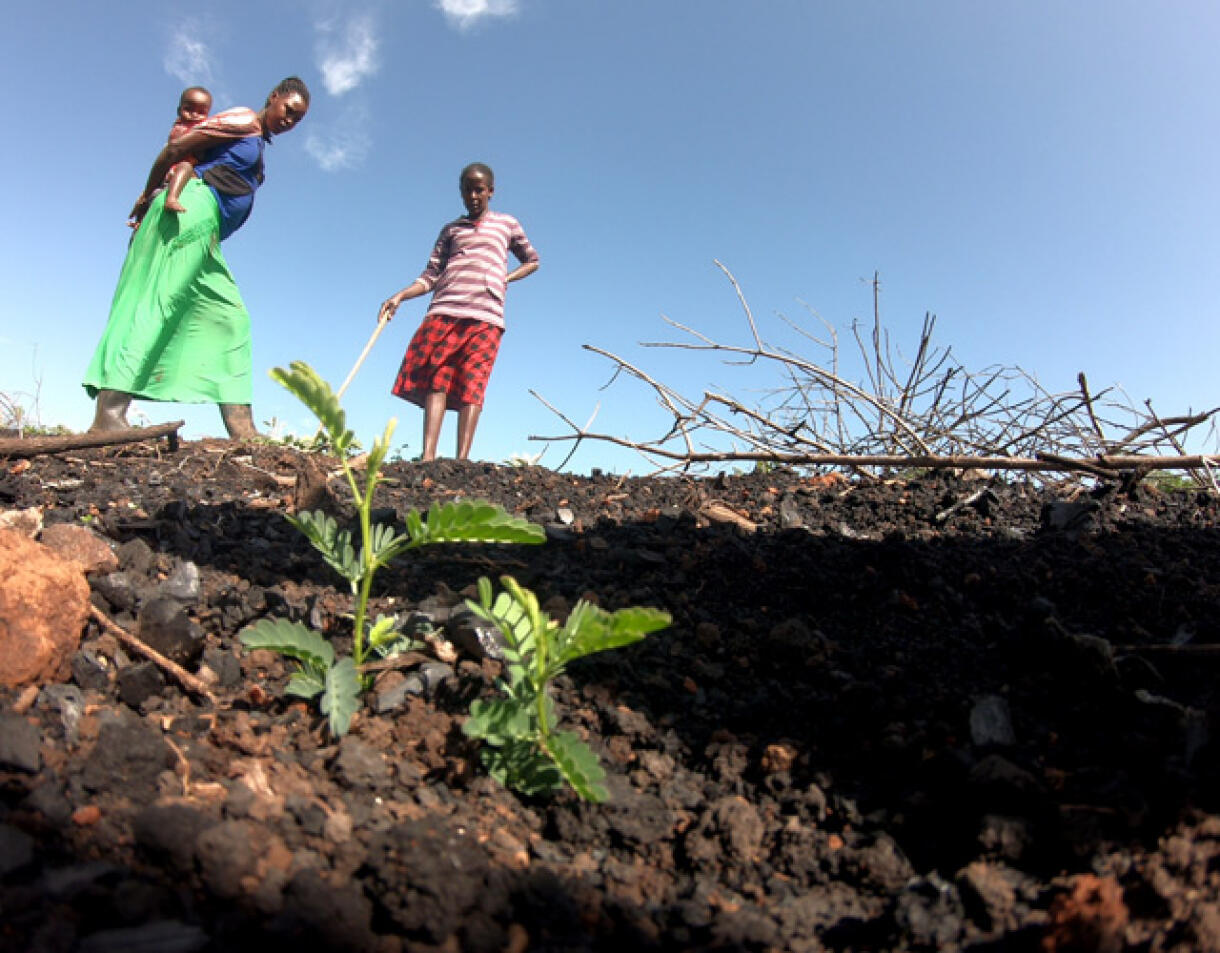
<point x="178" y="330"/>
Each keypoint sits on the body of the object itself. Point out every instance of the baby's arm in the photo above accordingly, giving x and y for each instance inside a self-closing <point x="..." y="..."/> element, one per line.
<point x="182" y="149"/>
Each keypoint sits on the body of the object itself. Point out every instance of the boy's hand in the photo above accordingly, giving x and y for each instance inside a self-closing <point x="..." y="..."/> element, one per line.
<point x="389" y="306"/>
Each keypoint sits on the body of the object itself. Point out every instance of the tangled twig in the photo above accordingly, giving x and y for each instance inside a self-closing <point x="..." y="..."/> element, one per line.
<point x="927" y="412"/>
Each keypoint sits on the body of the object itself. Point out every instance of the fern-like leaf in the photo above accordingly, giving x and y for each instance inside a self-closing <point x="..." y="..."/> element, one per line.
<point x="334" y="544"/>
<point x="291" y="639"/>
<point x="579" y="765"/>
<point x="386" y="543"/>
<point x="308" y="683"/>
<point x="590" y="629"/>
<point x="381" y="446"/>
<point x="312" y="391"/>
<point x="383" y="631"/>
<point x="511" y="614"/>
<point x="520" y="765"/>
<point x="471" y="521"/>
<point x="499" y="721"/>
<point x="341" y="699"/>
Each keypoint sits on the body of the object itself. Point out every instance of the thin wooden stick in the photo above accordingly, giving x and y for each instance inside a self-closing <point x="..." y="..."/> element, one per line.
<point x="34" y="446"/>
<point x="189" y="681"/>
<point x="355" y="367"/>
<point x="363" y="354"/>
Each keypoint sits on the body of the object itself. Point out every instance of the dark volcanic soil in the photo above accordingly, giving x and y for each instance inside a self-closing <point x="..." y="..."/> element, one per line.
<point x="881" y="720"/>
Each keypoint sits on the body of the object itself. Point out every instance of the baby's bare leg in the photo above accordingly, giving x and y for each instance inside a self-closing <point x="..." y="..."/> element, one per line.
<point x="176" y="181"/>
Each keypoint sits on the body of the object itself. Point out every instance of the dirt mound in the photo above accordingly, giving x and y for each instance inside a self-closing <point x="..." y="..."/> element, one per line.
<point x="923" y="714"/>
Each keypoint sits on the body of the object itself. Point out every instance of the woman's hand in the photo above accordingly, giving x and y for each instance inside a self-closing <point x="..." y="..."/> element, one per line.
<point x="138" y="211"/>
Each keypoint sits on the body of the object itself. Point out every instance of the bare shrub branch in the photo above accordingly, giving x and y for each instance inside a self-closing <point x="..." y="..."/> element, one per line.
<point x="925" y="411"/>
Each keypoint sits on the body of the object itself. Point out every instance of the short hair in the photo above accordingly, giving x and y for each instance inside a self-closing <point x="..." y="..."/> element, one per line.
<point x="482" y="168"/>
<point x="293" y="84"/>
<point x="195" y="89"/>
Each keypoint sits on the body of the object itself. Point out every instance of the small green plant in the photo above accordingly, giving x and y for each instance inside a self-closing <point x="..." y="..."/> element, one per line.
<point x="523" y="747"/>
<point x="339" y="683"/>
<point x="524" y="459"/>
<point x="19" y="414"/>
<point x="276" y="433"/>
<point x="1169" y="482"/>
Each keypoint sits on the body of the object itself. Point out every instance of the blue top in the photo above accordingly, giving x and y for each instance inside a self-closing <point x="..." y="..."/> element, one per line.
<point x="245" y="158"/>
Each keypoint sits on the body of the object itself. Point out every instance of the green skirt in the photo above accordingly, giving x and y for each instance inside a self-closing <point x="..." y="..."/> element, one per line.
<point x="178" y="329"/>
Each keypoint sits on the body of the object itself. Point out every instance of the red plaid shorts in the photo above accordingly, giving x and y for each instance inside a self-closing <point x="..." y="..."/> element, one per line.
<point x="453" y="355"/>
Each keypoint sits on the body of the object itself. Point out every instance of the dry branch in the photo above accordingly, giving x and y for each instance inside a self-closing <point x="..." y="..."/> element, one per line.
<point x="187" y="680"/>
<point x="35" y="446"/>
<point x="929" y="411"/>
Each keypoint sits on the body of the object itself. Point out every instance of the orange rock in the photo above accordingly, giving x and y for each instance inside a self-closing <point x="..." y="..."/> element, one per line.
<point x="44" y="602"/>
<point x="778" y="758"/>
<point x="81" y="545"/>
<point x="1092" y="918"/>
<point x="518" y="939"/>
<point x="826" y="480"/>
<point x="87" y="816"/>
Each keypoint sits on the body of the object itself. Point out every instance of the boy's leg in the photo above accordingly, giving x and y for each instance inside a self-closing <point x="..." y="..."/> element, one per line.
<point x="468" y="421"/>
<point x="179" y="173"/>
<point x="434" y="413"/>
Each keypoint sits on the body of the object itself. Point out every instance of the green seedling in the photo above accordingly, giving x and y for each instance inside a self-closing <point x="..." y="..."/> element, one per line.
<point x="523" y="748"/>
<point x="339" y="683"/>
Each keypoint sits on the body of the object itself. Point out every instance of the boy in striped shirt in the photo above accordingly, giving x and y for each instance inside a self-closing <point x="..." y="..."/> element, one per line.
<point x="451" y="355"/>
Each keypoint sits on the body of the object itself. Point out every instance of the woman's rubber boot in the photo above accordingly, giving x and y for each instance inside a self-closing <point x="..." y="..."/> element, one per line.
<point x="111" y="411"/>
<point x="239" y="421"/>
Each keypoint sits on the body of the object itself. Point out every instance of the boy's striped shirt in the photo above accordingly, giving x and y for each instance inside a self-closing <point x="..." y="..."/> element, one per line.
<point x="467" y="273"/>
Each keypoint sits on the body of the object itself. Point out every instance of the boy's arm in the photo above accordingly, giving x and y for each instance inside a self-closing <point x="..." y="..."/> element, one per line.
<point x="424" y="283"/>
<point x="523" y="271"/>
<point x="390" y="305"/>
<point x="524" y="252"/>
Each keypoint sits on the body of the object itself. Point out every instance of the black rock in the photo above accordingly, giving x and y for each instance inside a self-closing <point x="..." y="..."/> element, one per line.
<point x="20" y="742"/>
<point x="169" y="831"/>
<point x="360" y="766"/>
<point x="226" y="665"/>
<point x="16" y="850"/>
<point x="183" y="583"/>
<point x="129" y="755"/>
<point x="88" y="672"/>
<point x="119" y="589"/>
<point x="136" y="556"/>
<point x="139" y="682"/>
<point x="165" y="627"/>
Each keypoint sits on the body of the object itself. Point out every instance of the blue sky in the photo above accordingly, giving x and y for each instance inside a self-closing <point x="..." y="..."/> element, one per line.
<point x="1040" y="175"/>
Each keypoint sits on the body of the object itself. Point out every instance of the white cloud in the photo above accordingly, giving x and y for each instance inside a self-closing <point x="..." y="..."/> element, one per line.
<point x="186" y="57"/>
<point x="466" y="13"/>
<point x="347" y="54"/>
<point x="341" y="145"/>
